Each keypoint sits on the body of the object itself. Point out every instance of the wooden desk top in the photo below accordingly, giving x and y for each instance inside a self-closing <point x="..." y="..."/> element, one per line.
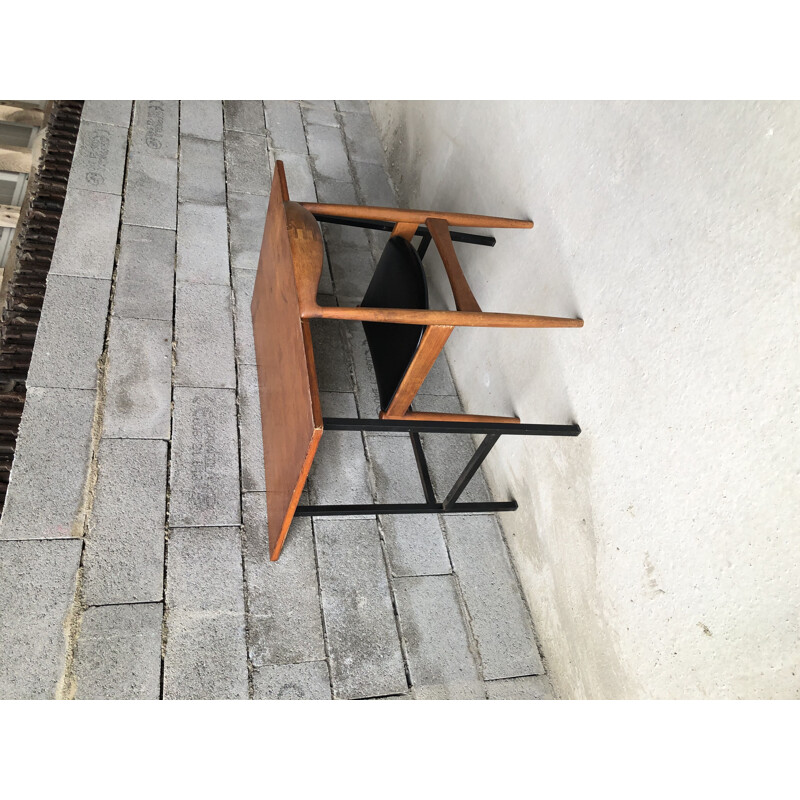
<point x="291" y="416"/>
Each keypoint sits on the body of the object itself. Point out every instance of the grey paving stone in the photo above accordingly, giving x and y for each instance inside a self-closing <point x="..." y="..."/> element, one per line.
<point x="415" y="544"/>
<point x="205" y="658"/>
<point x="359" y="106"/>
<point x="45" y="493"/>
<point x="250" y="437"/>
<point x="201" y="177"/>
<point x="339" y="471"/>
<point x="205" y="655"/>
<point x="124" y="558"/>
<point x="436" y="638"/>
<point x="365" y="652"/>
<point x="247" y="163"/>
<point x="299" y="177"/>
<point x="202" y="118"/>
<point x="328" y="153"/>
<point x="151" y="191"/>
<point x="245" y="115"/>
<point x="285" y="125"/>
<point x="374" y="185"/>
<point x="145" y="273"/>
<point x="99" y="160"/>
<point x="155" y="127"/>
<point x="352" y="269"/>
<point x="37" y="589"/>
<point x="204" y="571"/>
<point x="366" y="384"/>
<point x="69" y="340"/>
<point x="320" y="115"/>
<point x="243" y="281"/>
<point x="331" y="352"/>
<point x="87" y="235"/>
<point x="204" y="336"/>
<point x="500" y="620"/>
<point x="363" y="143"/>
<point x="138" y="379"/>
<point x="111" y="112"/>
<point x="119" y="653"/>
<point x="330" y="191"/>
<point x="247" y="214"/>
<point x="284" y="617"/>
<point x="448" y="454"/>
<point x="203" y="244"/>
<point x="536" y="687"/>
<point x="204" y="473"/>
<point x="308" y="681"/>
<point x="329" y="104"/>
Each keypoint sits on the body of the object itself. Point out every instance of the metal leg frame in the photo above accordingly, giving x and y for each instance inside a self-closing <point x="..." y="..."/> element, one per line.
<point x="492" y="431"/>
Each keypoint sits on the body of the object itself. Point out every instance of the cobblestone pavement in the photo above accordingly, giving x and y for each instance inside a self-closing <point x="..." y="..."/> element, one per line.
<point x="133" y="544"/>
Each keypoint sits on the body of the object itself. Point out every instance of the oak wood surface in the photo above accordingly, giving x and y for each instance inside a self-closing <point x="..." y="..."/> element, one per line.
<point x="462" y="294"/>
<point x="291" y="417"/>
<point x="430" y="345"/>
<point x="384" y="214"/>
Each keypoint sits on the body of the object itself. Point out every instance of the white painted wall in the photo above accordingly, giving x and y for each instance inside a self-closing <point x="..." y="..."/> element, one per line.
<point x="659" y="551"/>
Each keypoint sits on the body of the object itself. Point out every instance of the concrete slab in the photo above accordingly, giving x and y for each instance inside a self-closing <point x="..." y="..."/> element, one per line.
<point x="285" y="125"/>
<point x="308" y="681"/>
<point x="111" y="112"/>
<point x="99" y="160"/>
<point x="245" y="115"/>
<point x="243" y="282"/>
<point x="328" y="153"/>
<point x="202" y="255"/>
<point x="247" y="163"/>
<point x="155" y="128"/>
<point x="251" y="447"/>
<point x="361" y="134"/>
<point x="37" y="590"/>
<point x="151" y="190"/>
<point x="202" y="119"/>
<point x="536" y="687"/>
<point x="247" y="214"/>
<point x="124" y="558"/>
<point x="201" y="175"/>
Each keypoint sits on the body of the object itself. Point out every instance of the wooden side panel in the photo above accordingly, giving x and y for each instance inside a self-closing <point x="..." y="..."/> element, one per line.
<point x="291" y="420"/>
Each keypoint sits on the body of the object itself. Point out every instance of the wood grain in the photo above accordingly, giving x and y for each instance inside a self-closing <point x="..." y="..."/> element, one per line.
<point x="462" y="294"/>
<point x="291" y="417"/>
<point x="384" y="214"/>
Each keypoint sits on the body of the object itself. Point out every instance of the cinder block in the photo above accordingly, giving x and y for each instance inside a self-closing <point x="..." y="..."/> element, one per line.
<point x="37" y="590"/>
<point x="320" y="115"/>
<point x="145" y="273"/>
<point x="449" y="453"/>
<point x="204" y="337"/>
<point x="124" y="558"/>
<point x="99" y="160"/>
<point x="45" y="493"/>
<point x="201" y="176"/>
<point x="285" y="125"/>
<point x="250" y="435"/>
<point x="111" y="112"/>
<point x="414" y="543"/>
<point x="284" y="616"/>
<point x="203" y="244"/>
<point x="205" y="655"/>
<point x="155" y="128"/>
<point x="243" y="282"/>
<point x="362" y="138"/>
<point x="436" y="639"/>
<point x="204" y="474"/>
<point x="69" y="340"/>
<point x="352" y="269"/>
<point x="500" y="619"/>
<point x="87" y="235"/>
<point x="247" y="214"/>
<point x="247" y="163"/>
<point x="339" y="471"/>
<point x="331" y="352"/>
<point x="373" y="184"/>
<point x="366" y="384"/>
<point x="119" y="653"/>
<point x="536" y="687"/>
<point x="307" y="681"/>
<point x="330" y="191"/>
<point x="358" y="106"/>
<point x="138" y="379"/>
<point x="365" y="652"/>
<point x="299" y="177"/>
<point x="202" y="118"/>
<point x="245" y="115"/>
<point x="151" y="191"/>
<point x="328" y="153"/>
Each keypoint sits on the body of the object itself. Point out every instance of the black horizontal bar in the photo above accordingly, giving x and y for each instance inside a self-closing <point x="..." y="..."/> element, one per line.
<point x="422" y="230"/>
<point x="403" y="508"/>
<point x="430" y="426"/>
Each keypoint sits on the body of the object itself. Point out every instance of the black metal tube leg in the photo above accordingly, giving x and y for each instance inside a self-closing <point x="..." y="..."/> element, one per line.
<point x="422" y="466"/>
<point x="472" y="467"/>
